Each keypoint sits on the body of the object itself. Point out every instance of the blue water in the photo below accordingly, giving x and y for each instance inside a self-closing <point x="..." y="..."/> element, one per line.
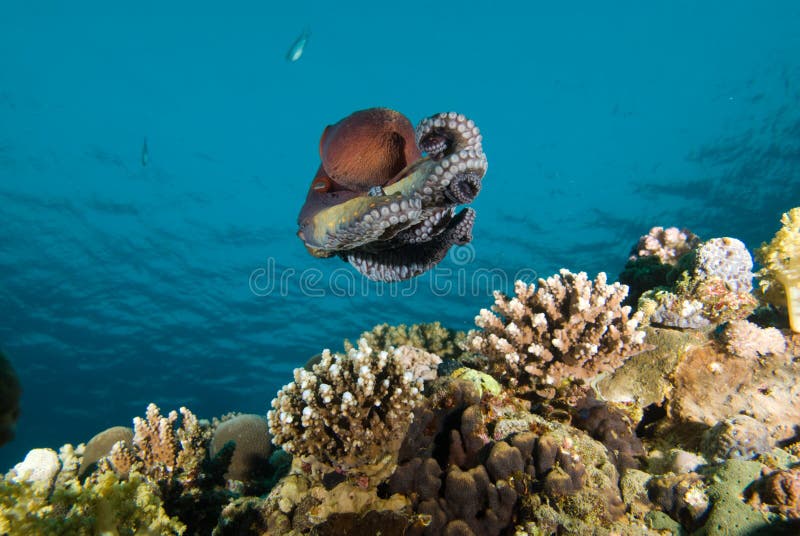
<point x="122" y="284"/>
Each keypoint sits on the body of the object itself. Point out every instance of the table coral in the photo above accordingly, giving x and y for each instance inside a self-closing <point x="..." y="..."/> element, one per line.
<point x="781" y="261"/>
<point x="567" y="328"/>
<point x="350" y="412"/>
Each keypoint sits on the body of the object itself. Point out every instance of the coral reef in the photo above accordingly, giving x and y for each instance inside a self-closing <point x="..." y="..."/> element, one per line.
<point x="713" y="284"/>
<point x="568" y="328"/>
<point x="10" y="392"/>
<point x="252" y="446"/>
<point x="350" y="412"/>
<point x="738" y="438"/>
<point x="710" y="385"/>
<point x="668" y="245"/>
<point x="161" y="450"/>
<point x="652" y="260"/>
<point x="747" y="340"/>
<point x="432" y="337"/>
<point x="559" y="415"/>
<point x="778" y="492"/>
<point x="103" y="504"/>
<point x="101" y="444"/>
<point x="781" y="272"/>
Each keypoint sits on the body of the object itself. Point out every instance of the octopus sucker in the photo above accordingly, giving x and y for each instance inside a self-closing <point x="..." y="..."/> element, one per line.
<point x="385" y="193"/>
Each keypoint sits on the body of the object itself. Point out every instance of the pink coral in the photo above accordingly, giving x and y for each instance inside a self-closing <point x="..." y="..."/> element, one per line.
<point x="668" y="244"/>
<point x="745" y="339"/>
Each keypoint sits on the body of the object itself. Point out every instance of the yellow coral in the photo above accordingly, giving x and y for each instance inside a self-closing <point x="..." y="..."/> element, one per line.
<point x="104" y="505"/>
<point x="781" y="261"/>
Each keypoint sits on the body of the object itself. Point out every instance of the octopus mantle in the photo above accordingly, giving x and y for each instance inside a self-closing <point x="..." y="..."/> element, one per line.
<point x="381" y="205"/>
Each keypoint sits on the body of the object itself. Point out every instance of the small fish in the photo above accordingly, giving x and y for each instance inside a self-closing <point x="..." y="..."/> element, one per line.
<point x="145" y="153"/>
<point x="296" y="50"/>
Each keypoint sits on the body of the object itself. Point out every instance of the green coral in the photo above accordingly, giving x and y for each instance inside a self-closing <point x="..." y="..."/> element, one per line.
<point x="729" y="513"/>
<point x="432" y="337"/>
<point x="781" y="272"/>
<point x="101" y="505"/>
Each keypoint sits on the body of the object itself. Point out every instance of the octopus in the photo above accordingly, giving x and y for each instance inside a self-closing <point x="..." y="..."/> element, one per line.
<point x="385" y="196"/>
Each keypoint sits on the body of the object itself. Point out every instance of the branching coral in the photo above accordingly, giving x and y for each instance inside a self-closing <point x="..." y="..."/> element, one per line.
<point x="350" y="412"/>
<point x="432" y="337"/>
<point x="781" y="261"/>
<point x="668" y="244"/>
<point x="568" y="328"/>
<point x="103" y="504"/>
<point x="161" y="450"/>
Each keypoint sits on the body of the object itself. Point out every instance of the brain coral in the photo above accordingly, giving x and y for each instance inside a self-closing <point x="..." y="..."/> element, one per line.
<point x="350" y="412"/>
<point x="567" y="328"/>
<point x="781" y="260"/>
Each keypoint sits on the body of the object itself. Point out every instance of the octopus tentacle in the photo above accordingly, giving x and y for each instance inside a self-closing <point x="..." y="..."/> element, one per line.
<point x="411" y="260"/>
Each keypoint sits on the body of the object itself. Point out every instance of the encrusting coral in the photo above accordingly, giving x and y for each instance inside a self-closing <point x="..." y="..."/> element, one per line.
<point x="745" y="339"/>
<point x="781" y="261"/>
<point x="567" y="328"/>
<point x="350" y="412"/>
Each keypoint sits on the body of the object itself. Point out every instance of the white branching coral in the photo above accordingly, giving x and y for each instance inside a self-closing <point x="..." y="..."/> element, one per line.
<point x="668" y="244"/>
<point x="567" y="328"/>
<point x="349" y="413"/>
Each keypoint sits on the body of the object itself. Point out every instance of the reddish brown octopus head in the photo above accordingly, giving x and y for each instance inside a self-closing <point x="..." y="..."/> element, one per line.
<point x="379" y="204"/>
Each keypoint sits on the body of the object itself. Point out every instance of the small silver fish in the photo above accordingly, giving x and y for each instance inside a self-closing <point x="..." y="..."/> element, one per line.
<point x="296" y="50"/>
<point x="145" y="153"/>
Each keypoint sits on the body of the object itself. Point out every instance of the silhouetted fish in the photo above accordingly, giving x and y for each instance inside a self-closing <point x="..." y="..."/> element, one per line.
<point x="296" y="50"/>
<point x="145" y="154"/>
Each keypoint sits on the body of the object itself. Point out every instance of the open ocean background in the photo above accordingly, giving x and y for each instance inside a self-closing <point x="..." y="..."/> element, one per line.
<point x="122" y="284"/>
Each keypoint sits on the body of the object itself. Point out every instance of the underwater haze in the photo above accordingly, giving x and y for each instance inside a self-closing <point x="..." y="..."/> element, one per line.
<point x="174" y="275"/>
